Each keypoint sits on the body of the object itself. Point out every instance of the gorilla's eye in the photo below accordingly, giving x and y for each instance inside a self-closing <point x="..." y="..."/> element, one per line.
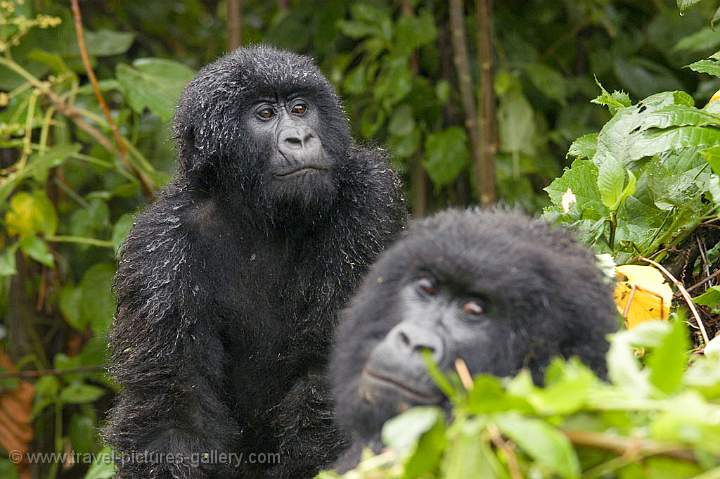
<point x="427" y="286"/>
<point x="265" y="113"/>
<point x="473" y="308"/>
<point x="299" y="108"/>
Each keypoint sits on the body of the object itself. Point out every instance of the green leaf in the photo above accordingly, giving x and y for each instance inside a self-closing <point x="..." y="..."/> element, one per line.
<point x="79" y="393"/>
<point x="469" y="455"/>
<point x="31" y="213"/>
<point x="488" y="395"/>
<point x="121" y="230"/>
<point x="37" y="249"/>
<point x="105" y="43"/>
<point x="581" y="180"/>
<point x="643" y="77"/>
<point x="70" y="301"/>
<point x="685" y="4"/>
<point x="428" y="451"/>
<point x="712" y="156"/>
<point x="701" y="41"/>
<point x="584" y="147"/>
<point x="710" y="298"/>
<point x="98" y="303"/>
<point x="402" y="121"/>
<point x="83" y="434"/>
<point x="103" y="467"/>
<point x="357" y="30"/>
<point x="614" y="101"/>
<point x="47" y="389"/>
<point x="611" y="181"/>
<point x="711" y="67"/>
<point x="669" y="360"/>
<point x="549" y="81"/>
<point x="545" y="444"/>
<point x="7" y="261"/>
<point x="516" y="123"/>
<point x="446" y="155"/>
<point x="402" y="432"/>
<point x="412" y="32"/>
<point x="568" y="385"/>
<point x="154" y="83"/>
<point x="41" y="163"/>
<point x="90" y="220"/>
<point x="8" y="470"/>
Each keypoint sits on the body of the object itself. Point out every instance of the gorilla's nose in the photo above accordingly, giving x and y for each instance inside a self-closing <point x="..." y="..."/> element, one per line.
<point x="297" y="139"/>
<point x="411" y="339"/>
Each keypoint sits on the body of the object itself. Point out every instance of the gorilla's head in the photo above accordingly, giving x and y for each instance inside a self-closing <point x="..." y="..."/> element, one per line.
<point x="495" y="289"/>
<point x="263" y="125"/>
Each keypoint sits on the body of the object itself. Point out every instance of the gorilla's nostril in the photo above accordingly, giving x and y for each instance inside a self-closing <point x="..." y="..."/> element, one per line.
<point x="404" y="339"/>
<point x="293" y="140"/>
<point x="308" y="137"/>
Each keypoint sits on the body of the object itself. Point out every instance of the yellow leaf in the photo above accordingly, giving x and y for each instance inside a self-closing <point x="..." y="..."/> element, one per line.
<point x="715" y="97"/>
<point x="30" y="214"/>
<point x="641" y="294"/>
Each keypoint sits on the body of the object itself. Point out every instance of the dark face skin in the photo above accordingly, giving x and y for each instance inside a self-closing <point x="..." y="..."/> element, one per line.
<point x="447" y="321"/>
<point x="298" y="167"/>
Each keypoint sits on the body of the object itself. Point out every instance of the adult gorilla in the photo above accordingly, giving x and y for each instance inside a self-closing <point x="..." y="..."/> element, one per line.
<point x="496" y="289"/>
<point x="229" y="284"/>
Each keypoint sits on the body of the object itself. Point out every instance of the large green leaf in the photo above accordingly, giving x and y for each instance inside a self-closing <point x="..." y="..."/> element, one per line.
<point x="711" y="67"/>
<point x="668" y="361"/>
<point x="516" y="123"/>
<point x="154" y="83"/>
<point x="581" y="180"/>
<point x="446" y="155"/>
<point x="103" y="43"/>
<point x="78" y="393"/>
<point x="97" y="301"/>
<point x="545" y="444"/>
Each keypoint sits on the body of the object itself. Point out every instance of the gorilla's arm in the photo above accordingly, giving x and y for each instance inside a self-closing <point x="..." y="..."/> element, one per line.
<point x="166" y="353"/>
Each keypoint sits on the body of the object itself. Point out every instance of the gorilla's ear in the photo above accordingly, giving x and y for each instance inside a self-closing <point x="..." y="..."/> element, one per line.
<point x="192" y="161"/>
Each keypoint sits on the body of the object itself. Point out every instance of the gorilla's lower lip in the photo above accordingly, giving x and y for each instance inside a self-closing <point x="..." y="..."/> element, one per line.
<point x="417" y="397"/>
<point x="301" y="171"/>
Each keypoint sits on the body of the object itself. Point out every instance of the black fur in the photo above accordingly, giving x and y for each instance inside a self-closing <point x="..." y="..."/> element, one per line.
<point x="228" y="295"/>
<point x="545" y="297"/>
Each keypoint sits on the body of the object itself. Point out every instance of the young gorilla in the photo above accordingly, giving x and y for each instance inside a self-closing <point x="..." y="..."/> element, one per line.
<point x="496" y="289"/>
<point x="229" y="284"/>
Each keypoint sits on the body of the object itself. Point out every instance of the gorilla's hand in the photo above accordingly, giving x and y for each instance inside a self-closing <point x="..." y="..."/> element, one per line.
<point x="305" y="433"/>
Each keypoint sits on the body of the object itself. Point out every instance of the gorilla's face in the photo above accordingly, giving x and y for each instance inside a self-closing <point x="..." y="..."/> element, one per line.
<point x="298" y="167"/>
<point x="497" y="290"/>
<point x="264" y="128"/>
<point x="447" y="321"/>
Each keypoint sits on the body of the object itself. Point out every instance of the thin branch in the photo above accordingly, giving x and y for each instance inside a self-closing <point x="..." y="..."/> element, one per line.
<point x="66" y="109"/>
<point x="418" y="176"/>
<point x="704" y="280"/>
<point x="464" y="373"/>
<point x="50" y="372"/>
<point x="685" y="294"/>
<point x="234" y="20"/>
<point x="485" y="169"/>
<point x="80" y="240"/>
<point x="465" y="83"/>
<point x="507" y="449"/>
<point x="634" y="447"/>
<point x="145" y="182"/>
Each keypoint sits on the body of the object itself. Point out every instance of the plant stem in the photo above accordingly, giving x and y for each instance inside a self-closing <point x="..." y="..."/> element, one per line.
<point x="80" y="240"/>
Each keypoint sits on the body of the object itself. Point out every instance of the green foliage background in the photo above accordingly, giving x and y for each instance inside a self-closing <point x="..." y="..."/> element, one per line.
<point x="643" y="174"/>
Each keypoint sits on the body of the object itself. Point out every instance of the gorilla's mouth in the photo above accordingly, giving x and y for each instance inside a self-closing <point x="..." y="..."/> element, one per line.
<point x="374" y="381"/>
<point x="301" y="171"/>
